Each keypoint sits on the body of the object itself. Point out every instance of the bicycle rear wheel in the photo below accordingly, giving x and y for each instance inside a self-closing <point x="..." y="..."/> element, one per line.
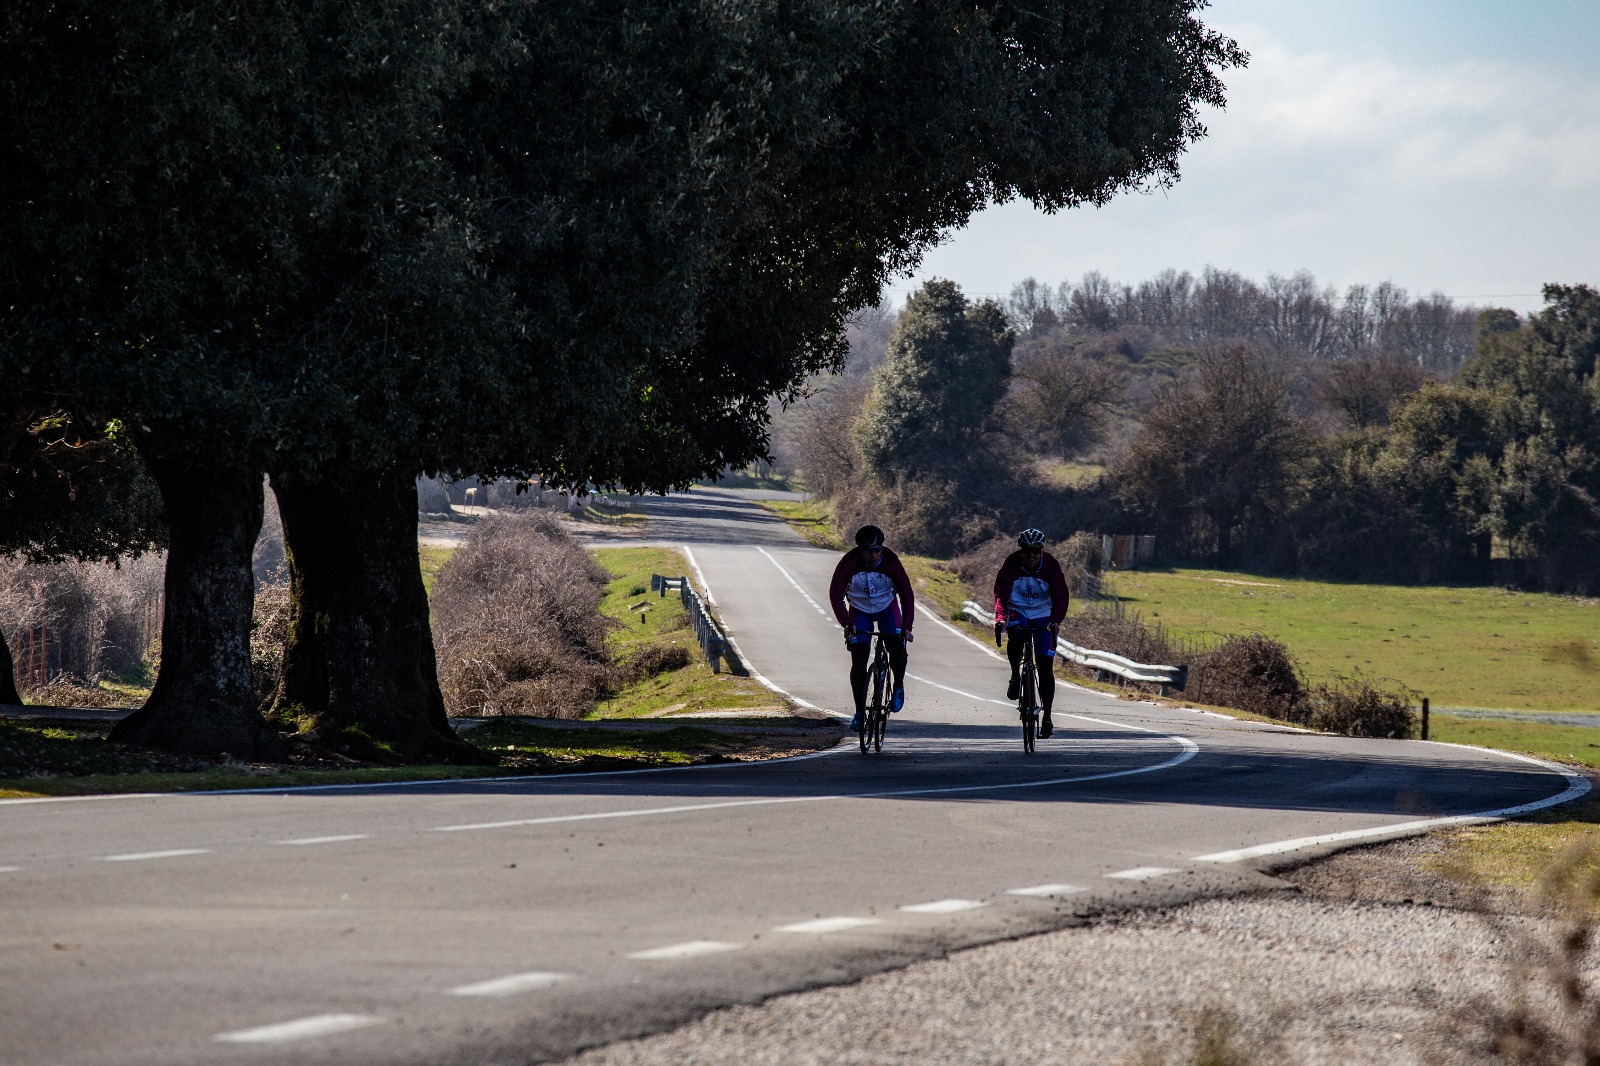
<point x="1029" y="722"/>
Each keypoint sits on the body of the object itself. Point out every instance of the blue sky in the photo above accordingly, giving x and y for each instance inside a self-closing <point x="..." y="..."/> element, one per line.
<point x="1445" y="145"/>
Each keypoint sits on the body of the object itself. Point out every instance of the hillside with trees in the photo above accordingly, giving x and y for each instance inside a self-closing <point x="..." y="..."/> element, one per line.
<point x="1277" y="427"/>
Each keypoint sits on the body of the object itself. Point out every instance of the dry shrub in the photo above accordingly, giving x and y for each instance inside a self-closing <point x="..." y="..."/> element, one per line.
<point x="269" y="629"/>
<point x="1356" y="707"/>
<point x="1253" y="673"/>
<point x="1548" y="1011"/>
<point x="1126" y="635"/>
<point x="652" y="659"/>
<point x="517" y="621"/>
<point x="95" y="619"/>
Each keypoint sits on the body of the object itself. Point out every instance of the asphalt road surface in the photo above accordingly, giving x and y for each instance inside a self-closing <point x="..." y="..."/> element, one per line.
<point x="506" y="921"/>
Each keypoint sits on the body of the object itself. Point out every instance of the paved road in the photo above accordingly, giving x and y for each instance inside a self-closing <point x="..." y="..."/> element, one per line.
<point x="517" y="920"/>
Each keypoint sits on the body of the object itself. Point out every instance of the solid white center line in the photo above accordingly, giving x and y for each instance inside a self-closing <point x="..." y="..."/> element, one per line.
<point x="686" y="950"/>
<point x="1143" y="873"/>
<point x="828" y="925"/>
<point x="1046" y="890"/>
<point x="136" y="856"/>
<point x="510" y="986"/>
<point x="943" y="906"/>
<point x="327" y="840"/>
<point x="302" y="1029"/>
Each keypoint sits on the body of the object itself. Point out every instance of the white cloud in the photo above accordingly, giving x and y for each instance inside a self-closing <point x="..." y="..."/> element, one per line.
<point x="1478" y="178"/>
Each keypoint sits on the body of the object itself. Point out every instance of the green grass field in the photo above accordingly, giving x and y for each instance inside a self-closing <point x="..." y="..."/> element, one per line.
<point x="1461" y="647"/>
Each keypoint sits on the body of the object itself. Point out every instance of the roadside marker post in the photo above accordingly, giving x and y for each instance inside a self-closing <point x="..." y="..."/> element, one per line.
<point x="1424" y="718"/>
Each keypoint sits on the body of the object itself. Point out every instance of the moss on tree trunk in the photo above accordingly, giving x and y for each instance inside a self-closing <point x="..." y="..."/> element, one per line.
<point x="202" y="702"/>
<point x="358" y="668"/>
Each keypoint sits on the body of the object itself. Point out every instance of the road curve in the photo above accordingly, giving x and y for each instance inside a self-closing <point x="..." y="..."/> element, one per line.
<point x="516" y="920"/>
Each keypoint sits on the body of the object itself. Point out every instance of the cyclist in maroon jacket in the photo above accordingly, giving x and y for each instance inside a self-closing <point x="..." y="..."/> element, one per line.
<point x="866" y="584"/>
<point x="1030" y="600"/>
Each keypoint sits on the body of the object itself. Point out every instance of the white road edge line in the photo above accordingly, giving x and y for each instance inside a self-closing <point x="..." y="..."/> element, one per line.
<point x="757" y="675"/>
<point x="944" y="906"/>
<point x="941" y="623"/>
<point x="1143" y="873"/>
<point x="301" y="1029"/>
<point x="827" y="925"/>
<point x="511" y="985"/>
<point x="327" y="840"/>
<point x="1577" y="785"/>
<point x="1047" y="890"/>
<point x="138" y="856"/>
<point x="790" y="578"/>
<point x="687" y="950"/>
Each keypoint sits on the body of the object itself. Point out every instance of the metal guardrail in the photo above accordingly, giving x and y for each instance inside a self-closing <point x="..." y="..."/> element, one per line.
<point x="1103" y="662"/>
<point x="712" y="642"/>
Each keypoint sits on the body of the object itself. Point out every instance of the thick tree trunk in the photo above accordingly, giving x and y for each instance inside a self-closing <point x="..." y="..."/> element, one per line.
<point x="8" y="675"/>
<point x="359" y="673"/>
<point x="202" y="703"/>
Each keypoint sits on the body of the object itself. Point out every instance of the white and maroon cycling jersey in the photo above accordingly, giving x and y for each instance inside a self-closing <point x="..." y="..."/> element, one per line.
<point x="857" y="586"/>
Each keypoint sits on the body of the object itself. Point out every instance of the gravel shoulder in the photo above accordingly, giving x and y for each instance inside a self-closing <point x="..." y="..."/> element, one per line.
<point x="1363" y="957"/>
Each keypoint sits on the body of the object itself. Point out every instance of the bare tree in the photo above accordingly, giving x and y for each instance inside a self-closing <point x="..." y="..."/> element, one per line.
<point x="1215" y="450"/>
<point x="1063" y="399"/>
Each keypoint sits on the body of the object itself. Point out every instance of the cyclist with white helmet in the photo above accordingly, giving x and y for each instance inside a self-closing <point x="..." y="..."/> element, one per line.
<point x="866" y="584"/>
<point x="1030" y="600"/>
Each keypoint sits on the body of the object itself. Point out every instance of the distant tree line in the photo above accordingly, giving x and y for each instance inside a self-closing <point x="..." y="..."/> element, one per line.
<point x="1383" y="461"/>
<point x="1287" y="314"/>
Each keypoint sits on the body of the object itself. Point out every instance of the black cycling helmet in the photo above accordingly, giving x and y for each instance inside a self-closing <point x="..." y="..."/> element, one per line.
<point x="869" y="537"/>
<point x="1030" y="538"/>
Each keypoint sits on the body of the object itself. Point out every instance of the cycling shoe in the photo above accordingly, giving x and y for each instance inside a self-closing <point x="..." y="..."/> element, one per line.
<point x="855" y="724"/>
<point x="897" y="701"/>
<point x="1014" y="689"/>
<point x="1045" y="728"/>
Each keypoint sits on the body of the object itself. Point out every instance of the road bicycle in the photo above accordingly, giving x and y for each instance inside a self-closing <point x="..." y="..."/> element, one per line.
<point x="875" y="720"/>
<point x="1028" y="708"/>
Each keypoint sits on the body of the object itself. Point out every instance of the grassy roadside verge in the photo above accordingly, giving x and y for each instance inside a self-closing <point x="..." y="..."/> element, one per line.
<point x="689" y="689"/>
<point x="42" y="758"/>
<point x="50" y="759"/>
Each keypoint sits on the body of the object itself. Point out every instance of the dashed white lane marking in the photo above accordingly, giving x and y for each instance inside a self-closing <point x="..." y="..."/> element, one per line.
<point x="510" y="986"/>
<point x="301" y="1029"/>
<point x="328" y="840"/>
<point x="9" y="869"/>
<point x="1577" y="785"/>
<point x="686" y="950"/>
<point x="138" y="856"/>
<point x="828" y="925"/>
<point x="755" y="674"/>
<point x="1047" y="890"/>
<point x="790" y="578"/>
<point x="944" y="906"/>
<point x="1143" y="873"/>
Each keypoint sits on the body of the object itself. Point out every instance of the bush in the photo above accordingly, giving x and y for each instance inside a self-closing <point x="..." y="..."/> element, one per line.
<point x="653" y="659"/>
<point x="1253" y="673"/>
<point x="269" y="629"/>
<point x="517" y="621"/>
<point x="1126" y="635"/>
<point x="1357" y="707"/>
<point x="90" y="619"/>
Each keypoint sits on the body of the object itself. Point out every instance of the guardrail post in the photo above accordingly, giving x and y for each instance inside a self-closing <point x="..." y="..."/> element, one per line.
<point x="1424" y="718"/>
